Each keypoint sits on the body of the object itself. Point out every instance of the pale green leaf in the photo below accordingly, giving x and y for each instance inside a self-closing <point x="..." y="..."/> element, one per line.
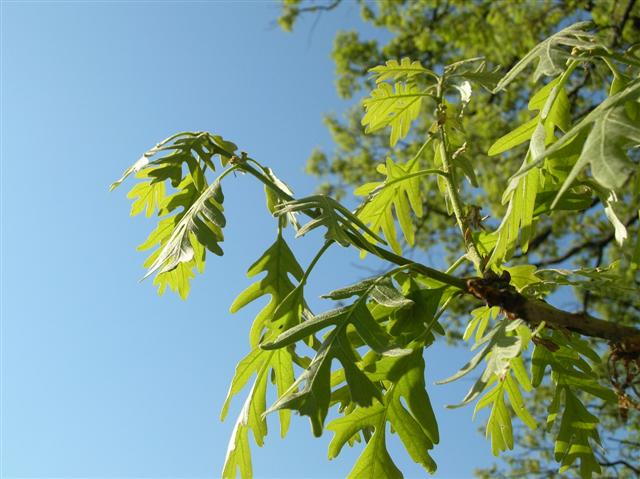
<point x="399" y="193"/>
<point x="403" y="70"/>
<point x="397" y="108"/>
<point x="549" y="53"/>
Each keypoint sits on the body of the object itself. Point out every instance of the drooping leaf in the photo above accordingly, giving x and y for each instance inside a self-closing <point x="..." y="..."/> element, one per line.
<point x="202" y="223"/>
<point x="197" y="221"/>
<point x="479" y="322"/>
<point x="517" y="226"/>
<point x="406" y="406"/>
<point x="179" y="278"/>
<point x="341" y="225"/>
<point x="238" y="457"/>
<point x="500" y="347"/>
<point x="314" y="397"/>
<point x="274" y="202"/>
<point x="276" y="365"/>
<point x="192" y="148"/>
<point x="576" y="435"/>
<point x="278" y="262"/>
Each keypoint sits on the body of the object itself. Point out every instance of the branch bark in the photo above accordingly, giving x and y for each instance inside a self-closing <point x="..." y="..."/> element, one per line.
<point x="497" y="292"/>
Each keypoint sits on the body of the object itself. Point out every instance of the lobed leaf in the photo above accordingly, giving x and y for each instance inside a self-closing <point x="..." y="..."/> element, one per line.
<point x="406" y="69"/>
<point x="399" y="193"/>
<point x="396" y="107"/>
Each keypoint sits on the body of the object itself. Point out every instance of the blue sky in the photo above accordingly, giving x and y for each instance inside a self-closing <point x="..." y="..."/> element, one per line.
<point x="100" y="376"/>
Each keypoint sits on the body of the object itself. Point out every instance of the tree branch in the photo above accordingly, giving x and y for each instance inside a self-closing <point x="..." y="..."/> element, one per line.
<point x="496" y="291"/>
<point x="590" y="244"/>
<point x="620" y="462"/>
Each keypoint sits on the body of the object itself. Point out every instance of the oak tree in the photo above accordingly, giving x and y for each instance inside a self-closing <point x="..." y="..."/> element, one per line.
<point x="378" y="329"/>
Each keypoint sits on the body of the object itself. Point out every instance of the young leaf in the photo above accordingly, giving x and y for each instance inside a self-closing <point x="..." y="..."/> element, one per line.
<point x="238" y="457"/>
<point x="605" y="149"/>
<point x="403" y="70"/>
<point x="400" y="192"/>
<point x="549" y="54"/>
<point x="502" y="347"/>
<point x="202" y="222"/>
<point x="340" y="223"/>
<point x="147" y="196"/>
<point x="278" y="262"/>
<point x="313" y="398"/>
<point x="479" y="75"/>
<point x="397" y="108"/>
<point x="578" y="430"/>
<point x="414" y="423"/>
<point x="192" y="148"/>
<point x="517" y="226"/>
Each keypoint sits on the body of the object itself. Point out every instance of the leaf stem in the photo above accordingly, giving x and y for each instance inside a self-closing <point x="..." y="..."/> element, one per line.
<point x="452" y="189"/>
<point x="417" y="155"/>
<point x="315" y="259"/>
<point x="379" y="251"/>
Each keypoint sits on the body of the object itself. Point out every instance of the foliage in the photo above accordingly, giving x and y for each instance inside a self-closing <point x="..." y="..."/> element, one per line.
<point x="576" y="237"/>
<point x="379" y="328"/>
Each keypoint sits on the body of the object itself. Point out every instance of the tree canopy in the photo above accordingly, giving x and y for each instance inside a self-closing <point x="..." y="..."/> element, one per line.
<point x="509" y="176"/>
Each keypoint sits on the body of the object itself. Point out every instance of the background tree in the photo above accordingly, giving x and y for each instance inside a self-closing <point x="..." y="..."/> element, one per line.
<point x="440" y="32"/>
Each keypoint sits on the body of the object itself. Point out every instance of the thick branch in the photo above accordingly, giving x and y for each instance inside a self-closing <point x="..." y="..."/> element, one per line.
<point x="495" y="292"/>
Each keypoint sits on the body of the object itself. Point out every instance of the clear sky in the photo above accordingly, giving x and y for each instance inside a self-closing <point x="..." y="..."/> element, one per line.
<point x="100" y="376"/>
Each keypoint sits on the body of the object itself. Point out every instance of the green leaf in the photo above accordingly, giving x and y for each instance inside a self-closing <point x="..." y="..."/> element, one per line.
<point x="605" y="145"/>
<point x="468" y="70"/>
<point x="284" y="310"/>
<point x="522" y="276"/>
<point x="382" y="291"/>
<point x="273" y="200"/>
<point x="500" y="348"/>
<point x="202" y="222"/>
<point x="340" y="223"/>
<point x="605" y="149"/>
<point x="578" y="430"/>
<point x="193" y="148"/>
<point x="479" y="322"/>
<point x="399" y="193"/>
<point x="517" y="226"/>
<point x="177" y="279"/>
<point x="397" y="108"/>
<point x="278" y="262"/>
<point x="238" y="457"/>
<point x="414" y="423"/>
<point x="314" y="397"/>
<point x="147" y="196"/>
<point x="549" y="54"/>
<point x="514" y="138"/>
<point x="499" y="426"/>
<point x="403" y="70"/>
<point x="517" y="403"/>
